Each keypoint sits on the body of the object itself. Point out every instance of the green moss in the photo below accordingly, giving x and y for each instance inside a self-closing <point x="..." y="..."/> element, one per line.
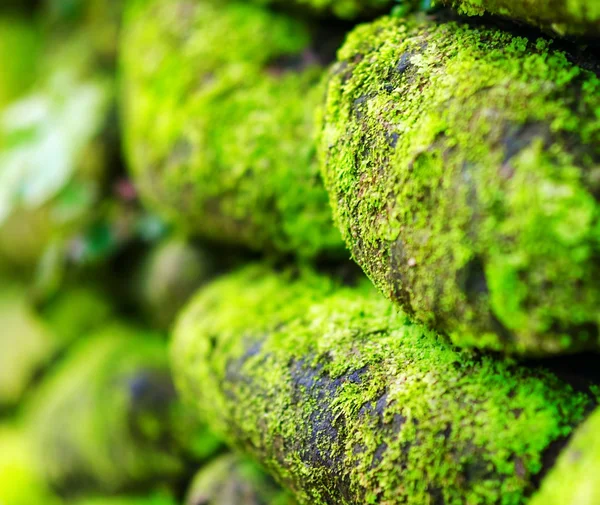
<point x="231" y="480"/>
<point x="220" y="136"/>
<point x="26" y="345"/>
<point x="170" y="274"/>
<point x="346" y="401"/>
<point x="463" y="165"/>
<point x="580" y="17"/>
<point x="108" y="418"/>
<point x="20" y="484"/>
<point x="19" y="51"/>
<point x="52" y="156"/>
<point x="574" y="480"/>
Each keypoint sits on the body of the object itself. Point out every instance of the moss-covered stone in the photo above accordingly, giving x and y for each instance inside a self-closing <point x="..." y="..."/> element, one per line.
<point x="232" y="480"/>
<point x="346" y="401"/>
<point x="463" y="164"/>
<point x="52" y="156"/>
<point x="574" y="480"/>
<point x="108" y="418"/>
<point x="19" y="51"/>
<point x="345" y="9"/>
<point x="20" y="483"/>
<point x="579" y="17"/>
<point x="219" y="135"/>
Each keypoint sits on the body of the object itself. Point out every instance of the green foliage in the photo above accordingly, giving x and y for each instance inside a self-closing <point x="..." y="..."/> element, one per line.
<point x="220" y="136"/>
<point x="463" y="166"/>
<point x="346" y="401"/>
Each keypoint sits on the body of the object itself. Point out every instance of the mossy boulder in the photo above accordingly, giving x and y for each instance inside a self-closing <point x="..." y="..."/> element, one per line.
<point x="234" y="480"/>
<point x="53" y="157"/>
<point x="562" y="17"/>
<point x="463" y="165"/>
<point x="220" y="137"/>
<point x="346" y="401"/>
<point x="574" y="480"/>
<point x="108" y="418"/>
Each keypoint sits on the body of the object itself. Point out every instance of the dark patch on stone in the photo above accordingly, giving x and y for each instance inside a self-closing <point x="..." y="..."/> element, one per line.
<point x="580" y="371"/>
<point x="326" y="430"/>
<point x="516" y="138"/>
<point x="404" y="63"/>
<point x="549" y="458"/>
<point x="150" y="389"/>
<point x="348" y="273"/>
<point x="472" y="279"/>
<point x="378" y="456"/>
<point x="498" y="327"/>
<point x="398" y="276"/>
<point x="436" y="496"/>
<point x="587" y="334"/>
<point x="287" y="63"/>
<point x="392" y="139"/>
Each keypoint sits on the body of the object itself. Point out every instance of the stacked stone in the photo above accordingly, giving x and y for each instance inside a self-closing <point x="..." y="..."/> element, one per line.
<point x="254" y="252"/>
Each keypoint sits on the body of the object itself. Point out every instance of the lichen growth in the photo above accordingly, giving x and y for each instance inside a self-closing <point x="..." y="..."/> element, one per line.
<point x="574" y="480"/>
<point x="233" y="480"/>
<point x="220" y="137"/>
<point x="108" y="419"/>
<point x="346" y="401"/>
<point x="562" y="17"/>
<point x="463" y="166"/>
